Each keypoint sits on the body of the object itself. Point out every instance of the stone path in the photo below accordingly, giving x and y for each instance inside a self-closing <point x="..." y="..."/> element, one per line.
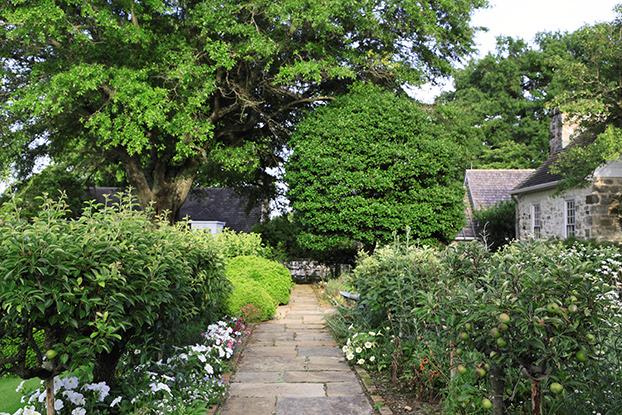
<point x="292" y="366"/>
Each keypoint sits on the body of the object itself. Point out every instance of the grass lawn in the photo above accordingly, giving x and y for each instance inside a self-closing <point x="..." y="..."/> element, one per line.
<point x="9" y="399"/>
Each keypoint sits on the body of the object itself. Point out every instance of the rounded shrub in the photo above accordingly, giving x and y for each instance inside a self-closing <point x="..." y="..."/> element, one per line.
<point x="270" y="275"/>
<point x="250" y="300"/>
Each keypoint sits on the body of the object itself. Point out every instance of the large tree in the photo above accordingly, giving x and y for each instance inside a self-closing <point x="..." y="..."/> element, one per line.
<point x="369" y="164"/>
<point x="588" y="85"/>
<point x="168" y="88"/>
<point x="502" y="97"/>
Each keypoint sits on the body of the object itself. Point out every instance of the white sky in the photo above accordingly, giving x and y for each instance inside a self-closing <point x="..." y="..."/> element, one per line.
<point x="524" y="19"/>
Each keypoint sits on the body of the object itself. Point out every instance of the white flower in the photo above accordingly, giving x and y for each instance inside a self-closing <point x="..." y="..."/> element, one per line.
<point x="116" y="401"/>
<point x="74" y="397"/>
<point x="71" y="382"/>
<point x="58" y="404"/>
<point x="343" y="349"/>
<point x="30" y="410"/>
<point x="209" y="369"/>
<point x="360" y="362"/>
<point x="358" y="350"/>
<point x="349" y="356"/>
<point x="368" y="345"/>
<point x="372" y="358"/>
<point x="202" y="358"/>
<point x="371" y="333"/>
<point x="42" y="397"/>
<point x="78" y="411"/>
<point x="101" y="388"/>
<point x="159" y="386"/>
<point x="20" y="386"/>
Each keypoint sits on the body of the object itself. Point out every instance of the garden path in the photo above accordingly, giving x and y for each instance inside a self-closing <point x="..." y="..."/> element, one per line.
<point x="292" y="366"/>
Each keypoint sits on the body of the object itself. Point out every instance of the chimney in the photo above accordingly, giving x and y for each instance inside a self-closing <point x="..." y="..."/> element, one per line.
<point x="562" y="131"/>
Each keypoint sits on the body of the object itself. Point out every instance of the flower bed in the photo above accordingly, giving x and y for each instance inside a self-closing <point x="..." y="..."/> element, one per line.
<point x="188" y="381"/>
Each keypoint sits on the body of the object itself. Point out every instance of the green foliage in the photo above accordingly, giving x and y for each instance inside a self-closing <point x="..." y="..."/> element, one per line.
<point x="250" y="300"/>
<point x="54" y="180"/>
<point x="466" y="325"/>
<point x="232" y="244"/>
<point x="586" y="85"/>
<point x="270" y="275"/>
<point x="401" y="170"/>
<point x="157" y="86"/>
<point x="113" y="279"/>
<point x="500" y="101"/>
<point x="497" y="223"/>
<point x="281" y="234"/>
<point x="541" y="309"/>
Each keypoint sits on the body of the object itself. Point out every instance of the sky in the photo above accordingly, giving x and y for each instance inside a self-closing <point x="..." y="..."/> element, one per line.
<point x="524" y="19"/>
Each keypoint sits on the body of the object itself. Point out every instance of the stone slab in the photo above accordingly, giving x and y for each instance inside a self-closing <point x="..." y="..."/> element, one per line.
<point x="246" y="406"/>
<point x="265" y="390"/>
<point x="323" y="376"/>
<point x="344" y="389"/>
<point x="341" y="405"/>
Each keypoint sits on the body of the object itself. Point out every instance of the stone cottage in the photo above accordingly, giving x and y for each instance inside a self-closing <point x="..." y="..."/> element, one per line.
<point x="583" y="213"/>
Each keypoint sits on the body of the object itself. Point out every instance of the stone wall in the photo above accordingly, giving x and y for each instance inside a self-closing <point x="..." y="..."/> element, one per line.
<point x="307" y="271"/>
<point x="595" y="208"/>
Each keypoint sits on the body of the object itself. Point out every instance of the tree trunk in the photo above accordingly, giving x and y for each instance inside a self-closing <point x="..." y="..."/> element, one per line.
<point x="167" y="193"/>
<point x="106" y="366"/>
<point x="49" y="395"/>
<point x="536" y="397"/>
<point x="497" y="379"/>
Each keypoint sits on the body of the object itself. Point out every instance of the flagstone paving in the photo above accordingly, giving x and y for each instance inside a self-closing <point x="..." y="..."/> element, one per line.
<point x="292" y="366"/>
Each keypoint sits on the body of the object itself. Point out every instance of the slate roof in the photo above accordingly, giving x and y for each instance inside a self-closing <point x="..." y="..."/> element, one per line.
<point x="543" y="176"/>
<point x="221" y="204"/>
<point x="485" y="188"/>
<point x="207" y="204"/>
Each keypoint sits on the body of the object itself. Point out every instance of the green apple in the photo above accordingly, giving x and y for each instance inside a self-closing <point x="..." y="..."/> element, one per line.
<point x="481" y="372"/>
<point x="581" y="356"/>
<point x="504" y="318"/>
<point x="552" y="308"/>
<point x="486" y="403"/>
<point x="463" y="336"/>
<point x="501" y="342"/>
<point x="461" y="369"/>
<point x="556" y="388"/>
<point x="494" y="332"/>
<point x="51" y="354"/>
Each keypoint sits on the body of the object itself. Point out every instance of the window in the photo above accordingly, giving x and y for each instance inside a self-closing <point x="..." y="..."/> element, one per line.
<point x="570" y="218"/>
<point x="536" y="220"/>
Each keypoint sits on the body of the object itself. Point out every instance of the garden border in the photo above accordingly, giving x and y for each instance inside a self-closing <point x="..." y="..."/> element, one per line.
<point x="226" y="378"/>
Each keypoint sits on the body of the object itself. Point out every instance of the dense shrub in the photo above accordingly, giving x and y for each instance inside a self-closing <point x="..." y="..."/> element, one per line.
<point x="542" y="310"/>
<point x="113" y="280"/>
<point x="232" y="244"/>
<point x="270" y="275"/>
<point x="496" y="224"/>
<point x="402" y="169"/>
<point x="281" y="234"/>
<point x="250" y="300"/>
<point x="537" y="323"/>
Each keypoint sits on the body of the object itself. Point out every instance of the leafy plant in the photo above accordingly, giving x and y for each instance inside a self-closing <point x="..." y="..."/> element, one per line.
<point x="250" y="300"/>
<point x="496" y="224"/>
<point x="272" y="276"/>
<point x="402" y="169"/>
<point x="232" y="244"/>
<point x="82" y="292"/>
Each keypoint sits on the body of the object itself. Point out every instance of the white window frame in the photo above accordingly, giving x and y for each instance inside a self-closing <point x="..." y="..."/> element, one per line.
<point x="566" y="218"/>
<point x="535" y="234"/>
